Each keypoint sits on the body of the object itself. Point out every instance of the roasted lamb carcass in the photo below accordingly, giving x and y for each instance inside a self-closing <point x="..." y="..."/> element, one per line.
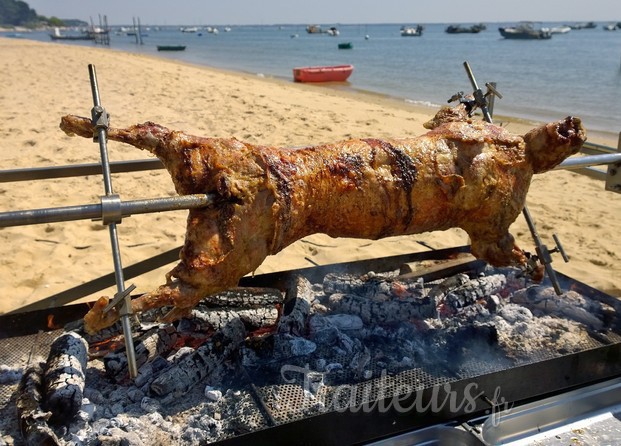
<point x="466" y="174"/>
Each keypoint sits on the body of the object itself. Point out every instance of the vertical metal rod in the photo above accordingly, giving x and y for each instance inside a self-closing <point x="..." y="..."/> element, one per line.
<point x="541" y="249"/>
<point x="125" y="309"/>
<point x="473" y="81"/>
<point x="478" y="94"/>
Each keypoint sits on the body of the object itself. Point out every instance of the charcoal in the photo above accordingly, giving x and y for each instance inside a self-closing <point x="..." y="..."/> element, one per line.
<point x="360" y="361"/>
<point x="391" y="311"/>
<point x="203" y="362"/>
<point x="148" y="371"/>
<point x="448" y="284"/>
<point x="64" y="376"/>
<point x="462" y="294"/>
<point x="570" y="305"/>
<point x="289" y="346"/>
<point x="204" y="319"/>
<point x="255" y="318"/>
<point x="297" y="308"/>
<point x="155" y="342"/>
<point x="30" y="414"/>
<point x="372" y="286"/>
<point x="248" y="297"/>
<point x="345" y="322"/>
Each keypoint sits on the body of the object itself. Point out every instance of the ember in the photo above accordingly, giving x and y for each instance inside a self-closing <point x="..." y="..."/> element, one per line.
<point x="247" y="360"/>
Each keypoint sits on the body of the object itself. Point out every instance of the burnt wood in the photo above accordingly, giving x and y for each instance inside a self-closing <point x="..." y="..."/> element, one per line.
<point x="31" y="417"/>
<point x="155" y="342"/>
<point x="204" y="319"/>
<point x="383" y="312"/>
<point x="203" y="362"/>
<point x="297" y="308"/>
<point x="64" y="378"/>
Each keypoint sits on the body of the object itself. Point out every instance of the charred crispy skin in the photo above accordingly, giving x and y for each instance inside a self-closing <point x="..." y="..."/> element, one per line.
<point x="471" y="175"/>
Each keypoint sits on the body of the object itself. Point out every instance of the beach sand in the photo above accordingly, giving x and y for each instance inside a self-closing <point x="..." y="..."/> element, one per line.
<point x="40" y="82"/>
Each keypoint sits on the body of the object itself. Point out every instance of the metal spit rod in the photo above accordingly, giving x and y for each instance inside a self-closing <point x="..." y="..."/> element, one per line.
<point x="144" y="206"/>
<point x="542" y="250"/>
<point x="100" y="121"/>
<point x="110" y="205"/>
<point x="605" y="156"/>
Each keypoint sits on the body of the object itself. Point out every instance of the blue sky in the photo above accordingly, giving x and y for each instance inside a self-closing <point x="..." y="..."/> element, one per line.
<point x="239" y="12"/>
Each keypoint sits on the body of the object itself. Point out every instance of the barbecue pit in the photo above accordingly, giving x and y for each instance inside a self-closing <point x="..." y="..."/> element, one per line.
<point x="331" y="370"/>
<point x="350" y="353"/>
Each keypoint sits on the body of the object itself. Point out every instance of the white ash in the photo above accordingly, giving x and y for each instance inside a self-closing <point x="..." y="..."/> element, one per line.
<point x="9" y="375"/>
<point x="522" y="334"/>
<point x="212" y="393"/>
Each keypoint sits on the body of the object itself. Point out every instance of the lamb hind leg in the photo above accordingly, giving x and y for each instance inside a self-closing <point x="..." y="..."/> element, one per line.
<point x="497" y="249"/>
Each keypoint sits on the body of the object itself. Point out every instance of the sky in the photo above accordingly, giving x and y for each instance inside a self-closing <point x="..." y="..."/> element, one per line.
<point x="265" y="12"/>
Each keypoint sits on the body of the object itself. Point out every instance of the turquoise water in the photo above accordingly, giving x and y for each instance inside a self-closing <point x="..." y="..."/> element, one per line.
<point x="578" y="73"/>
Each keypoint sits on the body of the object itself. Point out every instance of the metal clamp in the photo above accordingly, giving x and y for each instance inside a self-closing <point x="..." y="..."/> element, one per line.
<point x="118" y="298"/>
<point x="478" y="99"/>
<point x="559" y="248"/>
<point x="101" y="120"/>
<point x="111" y="211"/>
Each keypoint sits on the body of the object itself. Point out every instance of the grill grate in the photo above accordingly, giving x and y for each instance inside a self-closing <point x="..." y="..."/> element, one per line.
<point x="16" y="352"/>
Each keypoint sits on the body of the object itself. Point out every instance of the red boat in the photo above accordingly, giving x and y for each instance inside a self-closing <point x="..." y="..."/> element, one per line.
<point x="335" y="73"/>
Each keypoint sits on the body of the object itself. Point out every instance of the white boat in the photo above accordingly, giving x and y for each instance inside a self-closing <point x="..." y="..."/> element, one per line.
<point x="560" y="29"/>
<point x="412" y="31"/>
<point x="333" y="31"/>
<point x="189" y="29"/>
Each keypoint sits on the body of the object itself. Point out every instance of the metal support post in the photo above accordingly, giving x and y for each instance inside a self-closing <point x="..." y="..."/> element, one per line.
<point x="543" y="252"/>
<point x="100" y="123"/>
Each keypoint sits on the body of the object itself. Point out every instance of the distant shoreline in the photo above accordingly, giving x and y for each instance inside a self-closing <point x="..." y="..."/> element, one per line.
<point x="606" y="136"/>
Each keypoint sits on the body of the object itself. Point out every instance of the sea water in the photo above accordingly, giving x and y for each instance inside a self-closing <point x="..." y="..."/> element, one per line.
<point x="578" y="73"/>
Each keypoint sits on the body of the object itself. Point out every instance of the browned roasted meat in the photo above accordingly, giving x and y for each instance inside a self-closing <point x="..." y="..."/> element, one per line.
<point x="465" y="174"/>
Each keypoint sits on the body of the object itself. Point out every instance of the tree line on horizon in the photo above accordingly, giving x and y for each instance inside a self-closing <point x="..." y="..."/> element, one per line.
<point x="19" y="13"/>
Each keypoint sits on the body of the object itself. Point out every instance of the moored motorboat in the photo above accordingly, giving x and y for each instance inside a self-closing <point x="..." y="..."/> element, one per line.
<point x="332" y="73"/>
<point x="560" y="29"/>
<point x="313" y="29"/>
<point x="583" y="25"/>
<point x="461" y="29"/>
<point x="524" y="31"/>
<point x="345" y="46"/>
<point x="412" y="31"/>
<point x="333" y="31"/>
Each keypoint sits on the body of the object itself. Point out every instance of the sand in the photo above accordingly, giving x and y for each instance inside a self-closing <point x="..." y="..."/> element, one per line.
<point x="40" y="82"/>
